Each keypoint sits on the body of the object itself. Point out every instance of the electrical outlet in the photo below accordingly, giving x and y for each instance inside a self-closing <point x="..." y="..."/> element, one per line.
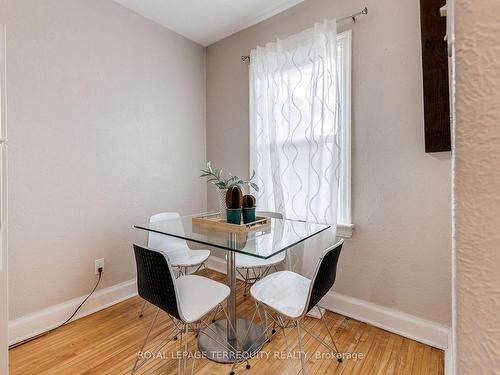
<point x="99" y="263"/>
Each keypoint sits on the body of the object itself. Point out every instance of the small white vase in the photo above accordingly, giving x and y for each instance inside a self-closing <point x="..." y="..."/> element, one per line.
<point x="222" y="203"/>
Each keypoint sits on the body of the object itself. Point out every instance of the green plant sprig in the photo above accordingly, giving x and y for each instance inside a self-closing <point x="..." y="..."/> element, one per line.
<point x="253" y="185"/>
<point x="215" y="177"/>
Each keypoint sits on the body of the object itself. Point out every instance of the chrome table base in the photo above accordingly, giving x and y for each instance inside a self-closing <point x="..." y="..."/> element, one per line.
<point x="237" y="339"/>
<point x="250" y="339"/>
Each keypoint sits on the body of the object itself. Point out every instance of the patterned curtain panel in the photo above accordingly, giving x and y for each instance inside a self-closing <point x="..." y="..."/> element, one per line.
<point x="295" y="130"/>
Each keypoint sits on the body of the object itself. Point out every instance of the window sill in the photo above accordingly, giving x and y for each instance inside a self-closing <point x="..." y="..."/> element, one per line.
<point x="345" y="230"/>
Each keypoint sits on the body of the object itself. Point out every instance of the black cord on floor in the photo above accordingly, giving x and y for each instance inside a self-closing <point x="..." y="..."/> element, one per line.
<point x="62" y="324"/>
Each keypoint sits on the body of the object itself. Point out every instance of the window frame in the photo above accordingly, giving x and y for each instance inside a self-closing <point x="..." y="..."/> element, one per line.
<point x="344" y="214"/>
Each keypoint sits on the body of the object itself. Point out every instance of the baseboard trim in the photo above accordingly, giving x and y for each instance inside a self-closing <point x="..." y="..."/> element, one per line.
<point x="218" y="264"/>
<point x="395" y="321"/>
<point x="30" y="325"/>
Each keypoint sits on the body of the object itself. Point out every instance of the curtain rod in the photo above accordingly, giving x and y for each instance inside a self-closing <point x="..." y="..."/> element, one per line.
<point x="352" y="17"/>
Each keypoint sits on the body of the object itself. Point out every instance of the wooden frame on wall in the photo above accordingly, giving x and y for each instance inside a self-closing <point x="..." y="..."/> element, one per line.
<point x="435" y="77"/>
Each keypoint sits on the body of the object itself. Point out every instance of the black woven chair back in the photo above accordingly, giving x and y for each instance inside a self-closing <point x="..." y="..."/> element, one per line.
<point x="155" y="281"/>
<point x="325" y="276"/>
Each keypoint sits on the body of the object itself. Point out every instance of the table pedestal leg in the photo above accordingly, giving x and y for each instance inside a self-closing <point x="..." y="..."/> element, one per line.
<point x="231" y="328"/>
<point x="231" y="340"/>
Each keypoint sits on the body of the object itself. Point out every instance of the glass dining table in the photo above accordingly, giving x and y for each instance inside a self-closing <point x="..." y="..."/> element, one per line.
<point x="239" y="337"/>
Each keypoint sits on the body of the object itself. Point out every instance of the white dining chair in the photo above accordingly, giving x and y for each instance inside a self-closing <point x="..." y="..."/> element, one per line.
<point x="177" y="250"/>
<point x="251" y="268"/>
<point x="287" y="297"/>
<point x="186" y="300"/>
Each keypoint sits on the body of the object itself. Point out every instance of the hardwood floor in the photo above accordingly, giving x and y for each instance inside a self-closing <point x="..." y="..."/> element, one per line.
<point x="107" y="342"/>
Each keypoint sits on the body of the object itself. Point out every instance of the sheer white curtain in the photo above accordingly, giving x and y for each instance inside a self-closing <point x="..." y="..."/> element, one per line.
<point x="294" y="124"/>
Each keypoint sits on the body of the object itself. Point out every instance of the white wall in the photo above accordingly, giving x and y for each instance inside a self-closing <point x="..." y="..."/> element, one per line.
<point x="477" y="186"/>
<point x="106" y="115"/>
<point x="399" y="255"/>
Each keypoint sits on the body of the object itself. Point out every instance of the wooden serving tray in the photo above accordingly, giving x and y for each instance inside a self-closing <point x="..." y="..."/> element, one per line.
<point x="215" y="222"/>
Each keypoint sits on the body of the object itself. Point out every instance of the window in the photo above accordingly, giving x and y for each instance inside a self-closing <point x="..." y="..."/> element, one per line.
<point x="344" y="220"/>
<point x="300" y="131"/>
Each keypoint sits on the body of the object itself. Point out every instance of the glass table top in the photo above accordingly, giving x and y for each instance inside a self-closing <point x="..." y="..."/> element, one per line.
<point x="263" y="243"/>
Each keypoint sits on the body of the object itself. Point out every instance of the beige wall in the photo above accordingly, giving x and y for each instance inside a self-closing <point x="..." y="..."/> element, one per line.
<point x="477" y="187"/>
<point x="4" y="289"/>
<point x="399" y="255"/>
<point x="106" y="116"/>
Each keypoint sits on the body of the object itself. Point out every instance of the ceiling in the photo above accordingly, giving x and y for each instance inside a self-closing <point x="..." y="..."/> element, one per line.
<point x="207" y="21"/>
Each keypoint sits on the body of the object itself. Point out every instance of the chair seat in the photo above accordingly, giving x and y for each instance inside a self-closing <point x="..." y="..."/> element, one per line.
<point x="285" y="292"/>
<point x="183" y="257"/>
<point x="248" y="261"/>
<point x="199" y="295"/>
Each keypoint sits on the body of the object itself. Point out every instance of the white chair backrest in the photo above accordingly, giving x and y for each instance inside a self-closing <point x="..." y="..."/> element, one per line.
<point x="166" y="244"/>
<point x="274" y="215"/>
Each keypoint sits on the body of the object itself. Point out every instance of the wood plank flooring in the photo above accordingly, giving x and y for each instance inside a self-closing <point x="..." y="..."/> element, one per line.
<point x="107" y="342"/>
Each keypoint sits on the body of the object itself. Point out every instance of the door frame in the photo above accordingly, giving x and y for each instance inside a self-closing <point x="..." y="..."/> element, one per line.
<point x="4" y="293"/>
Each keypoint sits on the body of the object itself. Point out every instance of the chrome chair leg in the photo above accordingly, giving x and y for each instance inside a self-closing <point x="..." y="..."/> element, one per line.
<point x="258" y="273"/>
<point x="145" y="340"/>
<point x="235" y="365"/>
<point x="301" y="349"/>
<point x="329" y="333"/>
<point x="266" y="320"/>
<point x="205" y="269"/>
<point x="216" y="311"/>
<point x="179" y="363"/>
<point x="283" y="326"/>
<point x="142" y="309"/>
<point x="197" y="329"/>
<point x="246" y="356"/>
<point x="264" y="335"/>
<point x="265" y="273"/>
<point x="200" y="266"/>
<point x="185" y="354"/>
<point x="247" y="281"/>
<point x="323" y="342"/>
